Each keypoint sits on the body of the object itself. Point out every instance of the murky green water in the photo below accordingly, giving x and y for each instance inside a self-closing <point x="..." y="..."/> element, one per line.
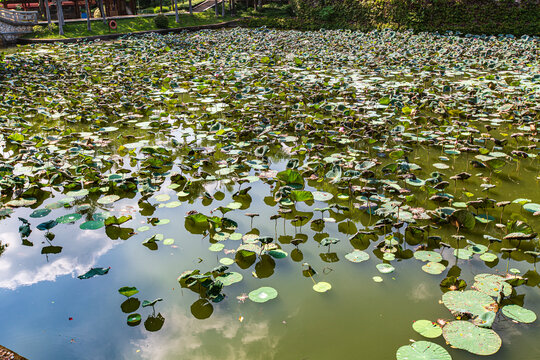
<point x="82" y="108"/>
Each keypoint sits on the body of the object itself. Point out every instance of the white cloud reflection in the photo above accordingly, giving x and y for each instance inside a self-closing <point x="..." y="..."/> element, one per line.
<point x="220" y="337"/>
<point x="21" y="265"/>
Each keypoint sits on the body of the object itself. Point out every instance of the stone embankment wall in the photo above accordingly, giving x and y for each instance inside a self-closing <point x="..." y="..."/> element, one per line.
<point x="7" y="31"/>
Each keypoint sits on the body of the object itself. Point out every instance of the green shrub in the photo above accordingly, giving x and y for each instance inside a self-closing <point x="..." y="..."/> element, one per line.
<point x="466" y="16"/>
<point x="157" y="9"/>
<point x="161" y="21"/>
<point x="52" y="28"/>
<point x="38" y="29"/>
<point x="326" y="13"/>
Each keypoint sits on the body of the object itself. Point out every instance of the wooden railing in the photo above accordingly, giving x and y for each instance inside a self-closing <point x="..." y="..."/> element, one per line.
<point x="19" y="17"/>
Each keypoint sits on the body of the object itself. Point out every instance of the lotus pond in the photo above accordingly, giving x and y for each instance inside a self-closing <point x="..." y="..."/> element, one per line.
<point x="261" y="194"/>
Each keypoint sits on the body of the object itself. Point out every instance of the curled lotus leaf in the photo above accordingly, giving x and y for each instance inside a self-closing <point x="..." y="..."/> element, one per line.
<point x="467" y="336"/>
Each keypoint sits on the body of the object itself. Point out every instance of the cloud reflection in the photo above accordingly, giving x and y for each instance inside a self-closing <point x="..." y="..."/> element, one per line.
<point x="221" y="336"/>
<point x="22" y="265"/>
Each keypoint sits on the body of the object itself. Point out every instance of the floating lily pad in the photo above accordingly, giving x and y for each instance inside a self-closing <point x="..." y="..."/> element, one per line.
<point x="263" y="294"/>
<point x="469" y="301"/>
<point x="464" y="254"/>
<point x="40" y="213"/>
<point x="492" y="285"/>
<point x="230" y="278"/>
<point x="519" y="314"/>
<point x="385" y="268"/>
<point x="434" y="268"/>
<point x="427" y="328"/>
<point x="422" y="350"/>
<point x="357" y="256"/>
<point x="466" y="336"/>
<point x="173" y="204"/>
<point x="488" y="257"/>
<point x="128" y="291"/>
<point x="226" y="261"/>
<point x="134" y="319"/>
<point x="216" y="247"/>
<point x="68" y="218"/>
<point x="322" y="286"/>
<point x="424" y="255"/>
<point x="92" y="225"/>
<point x="162" y="197"/>
<point x="532" y="207"/>
<point x="109" y="199"/>
<point x="322" y="196"/>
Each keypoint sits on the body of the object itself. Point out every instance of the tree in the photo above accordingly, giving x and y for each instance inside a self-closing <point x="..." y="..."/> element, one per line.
<point x="48" y="12"/>
<point x="60" y="16"/>
<point x="100" y="2"/>
<point x="216" y="6"/>
<point x="88" y="25"/>
<point x="190" y="8"/>
<point x="176" y="11"/>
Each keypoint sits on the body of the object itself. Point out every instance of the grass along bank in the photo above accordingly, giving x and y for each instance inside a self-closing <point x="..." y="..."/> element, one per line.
<point x="129" y="25"/>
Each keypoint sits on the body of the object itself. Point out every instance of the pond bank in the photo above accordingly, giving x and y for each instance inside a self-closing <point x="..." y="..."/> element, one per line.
<point x="225" y="24"/>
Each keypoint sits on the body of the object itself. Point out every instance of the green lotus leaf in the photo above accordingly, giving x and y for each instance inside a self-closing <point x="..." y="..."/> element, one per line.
<point x="263" y="294"/>
<point x="40" y="213"/>
<point x="357" y="256"/>
<point x="68" y="218"/>
<point x="134" y="319"/>
<point x="322" y="286"/>
<point x="424" y="255"/>
<point x="422" y="350"/>
<point x="488" y="257"/>
<point x="230" y="278"/>
<point x="532" y="207"/>
<point x="464" y="218"/>
<point x="427" y="328"/>
<point x="109" y="199"/>
<point x="128" y="291"/>
<point x="434" y="268"/>
<point x="467" y="336"/>
<point x="277" y="253"/>
<point x="216" y="247"/>
<point x="492" y="285"/>
<point x="385" y="268"/>
<point x="92" y="225"/>
<point x="469" y="301"/>
<point x="322" y="196"/>
<point x="519" y="314"/>
<point x="147" y="303"/>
